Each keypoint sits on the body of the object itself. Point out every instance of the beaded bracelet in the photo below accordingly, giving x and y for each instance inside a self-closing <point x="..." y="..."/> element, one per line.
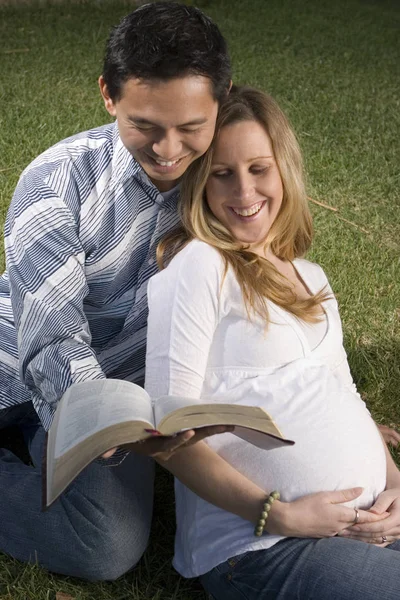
<point x="259" y="529"/>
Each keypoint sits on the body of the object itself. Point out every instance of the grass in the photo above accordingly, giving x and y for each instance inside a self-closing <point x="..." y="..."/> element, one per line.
<point x="335" y="69"/>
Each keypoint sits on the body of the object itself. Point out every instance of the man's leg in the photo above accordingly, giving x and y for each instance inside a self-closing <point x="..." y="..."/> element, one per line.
<point x="97" y="530"/>
<point x="309" y="569"/>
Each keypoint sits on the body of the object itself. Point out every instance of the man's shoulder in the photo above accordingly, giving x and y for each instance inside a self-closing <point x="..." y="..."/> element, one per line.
<point x="74" y="166"/>
<point x="85" y="145"/>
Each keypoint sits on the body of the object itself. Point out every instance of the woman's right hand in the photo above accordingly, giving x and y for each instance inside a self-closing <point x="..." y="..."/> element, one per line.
<point x="317" y="515"/>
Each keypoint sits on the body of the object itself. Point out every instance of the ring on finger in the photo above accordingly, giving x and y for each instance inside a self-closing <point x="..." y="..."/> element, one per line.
<point x="357" y="517"/>
<point x="384" y="539"/>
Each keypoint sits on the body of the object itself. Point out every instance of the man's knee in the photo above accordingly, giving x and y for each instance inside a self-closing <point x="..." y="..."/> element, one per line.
<point x="110" y="555"/>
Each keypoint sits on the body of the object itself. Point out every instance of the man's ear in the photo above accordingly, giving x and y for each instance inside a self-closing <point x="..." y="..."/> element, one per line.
<point x="108" y="102"/>
<point x="230" y="86"/>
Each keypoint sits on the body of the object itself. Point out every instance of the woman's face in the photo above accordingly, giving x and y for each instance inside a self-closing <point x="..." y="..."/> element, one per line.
<point x="244" y="190"/>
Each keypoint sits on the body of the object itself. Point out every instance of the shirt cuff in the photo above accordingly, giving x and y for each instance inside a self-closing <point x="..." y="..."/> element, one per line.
<point x="116" y="459"/>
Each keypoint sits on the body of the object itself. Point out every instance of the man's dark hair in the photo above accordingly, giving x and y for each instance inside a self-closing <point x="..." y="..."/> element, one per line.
<point x="163" y="41"/>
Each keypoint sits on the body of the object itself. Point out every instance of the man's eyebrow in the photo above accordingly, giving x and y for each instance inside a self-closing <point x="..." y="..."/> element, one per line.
<point x="143" y="121"/>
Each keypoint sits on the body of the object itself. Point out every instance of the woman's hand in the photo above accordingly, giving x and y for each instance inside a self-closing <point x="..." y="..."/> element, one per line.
<point x="318" y="515"/>
<point x="383" y="532"/>
<point x="390" y="435"/>
<point x="163" y="447"/>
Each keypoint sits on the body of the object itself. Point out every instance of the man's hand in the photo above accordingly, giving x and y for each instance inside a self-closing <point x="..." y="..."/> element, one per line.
<point x="390" y="435"/>
<point x="163" y="447"/>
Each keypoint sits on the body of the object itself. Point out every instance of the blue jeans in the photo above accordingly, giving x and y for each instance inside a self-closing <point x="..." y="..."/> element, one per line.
<point x="309" y="569"/>
<point x="97" y="530"/>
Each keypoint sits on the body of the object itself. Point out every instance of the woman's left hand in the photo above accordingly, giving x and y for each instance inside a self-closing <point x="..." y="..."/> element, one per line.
<point x="390" y="435"/>
<point x="380" y="533"/>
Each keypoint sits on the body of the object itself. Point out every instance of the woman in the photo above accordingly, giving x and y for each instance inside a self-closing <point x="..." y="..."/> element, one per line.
<point x="238" y="316"/>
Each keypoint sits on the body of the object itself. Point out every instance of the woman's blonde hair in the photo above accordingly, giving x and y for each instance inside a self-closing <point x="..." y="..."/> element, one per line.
<point x="291" y="233"/>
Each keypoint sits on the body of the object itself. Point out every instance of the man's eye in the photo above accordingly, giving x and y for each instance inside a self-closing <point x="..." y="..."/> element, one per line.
<point x="143" y="127"/>
<point x="189" y="129"/>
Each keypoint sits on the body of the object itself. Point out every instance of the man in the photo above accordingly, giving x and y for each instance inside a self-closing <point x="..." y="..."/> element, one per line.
<point x="80" y="237"/>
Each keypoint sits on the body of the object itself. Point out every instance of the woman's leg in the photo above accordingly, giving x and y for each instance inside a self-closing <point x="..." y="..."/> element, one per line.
<point x="309" y="569"/>
<point x="97" y="530"/>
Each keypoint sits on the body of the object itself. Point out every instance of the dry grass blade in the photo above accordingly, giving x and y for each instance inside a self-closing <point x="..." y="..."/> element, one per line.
<point x="322" y="204"/>
<point x="16" y="51"/>
<point x="353" y="224"/>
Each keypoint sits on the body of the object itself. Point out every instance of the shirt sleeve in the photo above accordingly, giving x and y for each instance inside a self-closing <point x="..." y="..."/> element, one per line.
<point x="184" y="302"/>
<point x="46" y="267"/>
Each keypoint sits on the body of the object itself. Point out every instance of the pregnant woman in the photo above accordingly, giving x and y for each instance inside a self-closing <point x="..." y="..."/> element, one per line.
<point x="239" y="316"/>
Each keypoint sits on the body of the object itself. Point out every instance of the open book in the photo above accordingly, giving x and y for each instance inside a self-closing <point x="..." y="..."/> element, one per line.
<point x="95" y="416"/>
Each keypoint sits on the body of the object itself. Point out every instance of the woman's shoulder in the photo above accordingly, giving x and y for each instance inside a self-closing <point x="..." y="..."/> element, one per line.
<point x="196" y="263"/>
<point x="311" y="271"/>
<point x="196" y="254"/>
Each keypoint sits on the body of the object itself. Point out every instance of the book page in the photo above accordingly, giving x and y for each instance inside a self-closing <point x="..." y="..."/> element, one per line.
<point x="91" y="406"/>
<point x="259" y="439"/>
<point x="167" y="404"/>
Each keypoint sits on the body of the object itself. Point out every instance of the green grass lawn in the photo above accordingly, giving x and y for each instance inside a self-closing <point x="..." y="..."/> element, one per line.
<point x="334" y="66"/>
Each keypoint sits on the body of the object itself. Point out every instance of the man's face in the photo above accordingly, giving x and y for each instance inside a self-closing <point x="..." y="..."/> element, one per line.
<point x="165" y="125"/>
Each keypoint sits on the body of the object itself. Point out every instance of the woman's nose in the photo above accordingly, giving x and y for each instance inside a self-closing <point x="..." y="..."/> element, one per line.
<point x="244" y="189"/>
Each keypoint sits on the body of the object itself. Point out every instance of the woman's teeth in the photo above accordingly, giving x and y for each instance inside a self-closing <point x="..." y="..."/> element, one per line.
<point x="248" y="212"/>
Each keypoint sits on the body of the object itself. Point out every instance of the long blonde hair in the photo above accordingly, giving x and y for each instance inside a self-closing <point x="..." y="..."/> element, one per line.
<point x="291" y="233"/>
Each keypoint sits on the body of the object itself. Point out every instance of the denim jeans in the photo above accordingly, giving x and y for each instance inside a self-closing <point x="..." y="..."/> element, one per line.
<point x="97" y="530"/>
<point x="309" y="569"/>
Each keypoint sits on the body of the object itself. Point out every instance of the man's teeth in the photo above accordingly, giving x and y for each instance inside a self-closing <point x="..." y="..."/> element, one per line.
<point x="166" y="163"/>
<point x="248" y="212"/>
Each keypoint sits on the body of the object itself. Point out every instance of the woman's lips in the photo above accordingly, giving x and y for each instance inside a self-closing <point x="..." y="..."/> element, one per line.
<point x="249" y="213"/>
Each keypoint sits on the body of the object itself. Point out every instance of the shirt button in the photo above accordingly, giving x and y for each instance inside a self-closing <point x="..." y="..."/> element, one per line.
<point x="151" y="261"/>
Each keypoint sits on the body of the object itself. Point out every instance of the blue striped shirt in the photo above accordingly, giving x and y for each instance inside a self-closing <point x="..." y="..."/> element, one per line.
<point x="80" y="240"/>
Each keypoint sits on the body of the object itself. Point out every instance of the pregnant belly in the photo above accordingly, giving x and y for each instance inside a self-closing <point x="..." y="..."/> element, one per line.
<point x="337" y="444"/>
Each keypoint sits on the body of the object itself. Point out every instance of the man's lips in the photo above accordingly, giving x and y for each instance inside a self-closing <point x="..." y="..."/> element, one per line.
<point x="159" y="162"/>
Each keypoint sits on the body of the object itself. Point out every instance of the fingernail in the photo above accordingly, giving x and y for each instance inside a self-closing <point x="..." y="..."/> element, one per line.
<point x="153" y="431"/>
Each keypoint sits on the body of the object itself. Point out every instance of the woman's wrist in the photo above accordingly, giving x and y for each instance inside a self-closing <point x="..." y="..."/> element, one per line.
<point x="266" y="509"/>
<point x="277" y="518"/>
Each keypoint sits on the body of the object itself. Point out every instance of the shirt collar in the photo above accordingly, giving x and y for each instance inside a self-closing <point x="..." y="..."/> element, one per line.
<point x="123" y="165"/>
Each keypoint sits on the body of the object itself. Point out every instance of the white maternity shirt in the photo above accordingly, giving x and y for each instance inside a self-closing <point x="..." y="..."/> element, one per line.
<point x="201" y="343"/>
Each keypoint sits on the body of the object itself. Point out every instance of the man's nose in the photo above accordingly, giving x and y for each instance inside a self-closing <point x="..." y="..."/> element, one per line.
<point x="168" y="146"/>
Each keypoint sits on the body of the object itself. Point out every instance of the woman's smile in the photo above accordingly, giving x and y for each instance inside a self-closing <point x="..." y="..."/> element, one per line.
<point x="249" y="213"/>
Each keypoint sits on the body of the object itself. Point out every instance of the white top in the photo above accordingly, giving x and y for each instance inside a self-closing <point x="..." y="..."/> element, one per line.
<point x="200" y="342"/>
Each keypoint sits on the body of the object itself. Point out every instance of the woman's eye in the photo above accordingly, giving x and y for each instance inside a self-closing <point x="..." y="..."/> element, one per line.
<point x="220" y="174"/>
<point x="259" y="170"/>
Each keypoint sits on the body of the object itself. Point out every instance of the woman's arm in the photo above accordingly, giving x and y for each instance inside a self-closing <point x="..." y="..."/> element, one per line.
<point x="216" y="481"/>
<point x="209" y="476"/>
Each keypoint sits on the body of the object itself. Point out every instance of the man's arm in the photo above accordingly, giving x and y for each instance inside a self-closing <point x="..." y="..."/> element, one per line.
<point x="46" y="267"/>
